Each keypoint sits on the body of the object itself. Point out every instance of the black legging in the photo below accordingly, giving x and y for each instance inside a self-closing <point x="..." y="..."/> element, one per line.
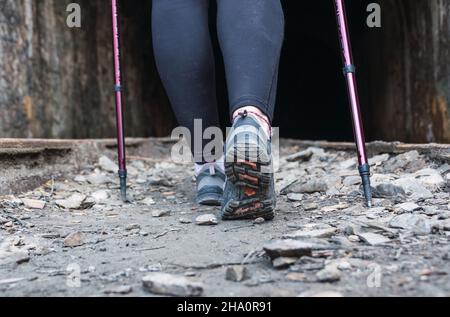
<point x="250" y="34"/>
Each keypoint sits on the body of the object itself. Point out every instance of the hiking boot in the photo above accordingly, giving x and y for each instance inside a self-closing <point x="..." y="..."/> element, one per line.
<point x="249" y="189"/>
<point x="210" y="183"/>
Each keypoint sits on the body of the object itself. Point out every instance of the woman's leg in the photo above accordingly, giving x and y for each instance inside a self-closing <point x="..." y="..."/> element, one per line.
<point x="251" y="37"/>
<point x="185" y="61"/>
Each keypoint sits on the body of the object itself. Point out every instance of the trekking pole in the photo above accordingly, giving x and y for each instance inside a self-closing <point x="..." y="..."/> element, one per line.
<point x="119" y="104"/>
<point x="349" y="72"/>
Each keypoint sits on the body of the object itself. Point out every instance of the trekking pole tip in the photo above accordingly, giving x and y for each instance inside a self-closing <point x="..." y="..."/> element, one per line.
<point x="123" y="185"/>
<point x="364" y="171"/>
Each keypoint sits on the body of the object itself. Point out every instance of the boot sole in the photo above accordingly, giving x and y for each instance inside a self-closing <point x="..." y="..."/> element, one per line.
<point x="252" y="177"/>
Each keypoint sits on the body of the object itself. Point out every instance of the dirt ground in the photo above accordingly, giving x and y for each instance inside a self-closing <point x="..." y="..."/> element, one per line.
<point x="72" y="236"/>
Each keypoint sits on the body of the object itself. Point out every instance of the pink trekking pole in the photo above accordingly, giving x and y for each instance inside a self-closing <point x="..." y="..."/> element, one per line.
<point x="119" y="104"/>
<point x="349" y="72"/>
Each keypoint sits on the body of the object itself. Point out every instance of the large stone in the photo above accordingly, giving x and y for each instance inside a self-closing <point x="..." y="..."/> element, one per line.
<point x="387" y="190"/>
<point x="289" y="248"/>
<point x="430" y="177"/>
<point x="413" y="188"/>
<point x="172" y="285"/>
<point x="418" y="224"/>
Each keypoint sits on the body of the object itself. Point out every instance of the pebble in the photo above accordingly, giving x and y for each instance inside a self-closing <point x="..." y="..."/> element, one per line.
<point x="171" y="285"/>
<point x="160" y="213"/>
<point x="318" y="233"/>
<point x="121" y="290"/>
<point x="283" y="262"/>
<point x="321" y="294"/>
<point x="328" y="275"/>
<point x="133" y="226"/>
<point x="74" y="202"/>
<point x="33" y="203"/>
<point x="100" y="196"/>
<point x="206" y="220"/>
<point x="237" y="273"/>
<point x="354" y="238"/>
<point x="185" y="221"/>
<point x="148" y="201"/>
<point x="295" y="197"/>
<point x="259" y="221"/>
<point x="73" y="240"/>
<point x="312" y="186"/>
<point x="408" y="207"/>
<point x="300" y="156"/>
<point x="373" y="238"/>
<point x="289" y="248"/>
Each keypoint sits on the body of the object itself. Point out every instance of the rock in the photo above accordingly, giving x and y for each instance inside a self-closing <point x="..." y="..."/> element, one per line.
<point x="318" y="233"/>
<point x="413" y="188"/>
<point x="160" y="213"/>
<point x="97" y="179"/>
<point x="312" y="186"/>
<point x="387" y="190"/>
<point x="352" y="181"/>
<point x="158" y="181"/>
<point x="295" y="197"/>
<point x="73" y="240"/>
<point x="353" y="238"/>
<point x="80" y="179"/>
<point x="259" y="221"/>
<point x="328" y="275"/>
<point x="237" y="273"/>
<point x="373" y="238"/>
<point x="310" y="206"/>
<point x="100" y="196"/>
<point x="430" y="177"/>
<point x="321" y="294"/>
<point x="283" y="262"/>
<point x="121" y="290"/>
<point x="378" y="159"/>
<point x="206" y="220"/>
<point x="184" y="221"/>
<point x="418" y="224"/>
<point x="33" y="203"/>
<point x="107" y="164"/>
<point x="335" y="207"/>
<point x="407" y="207"/>
<point x="348" y="164"/>
<point x="148" y="201"/>
<point x="288" y="248"/>
<point x="76" y="201"/>
<point x="400" y="161"/>
<point x="133" y="226"/>
<point x="172" y="285"/>
<point x="300" y="156"/>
